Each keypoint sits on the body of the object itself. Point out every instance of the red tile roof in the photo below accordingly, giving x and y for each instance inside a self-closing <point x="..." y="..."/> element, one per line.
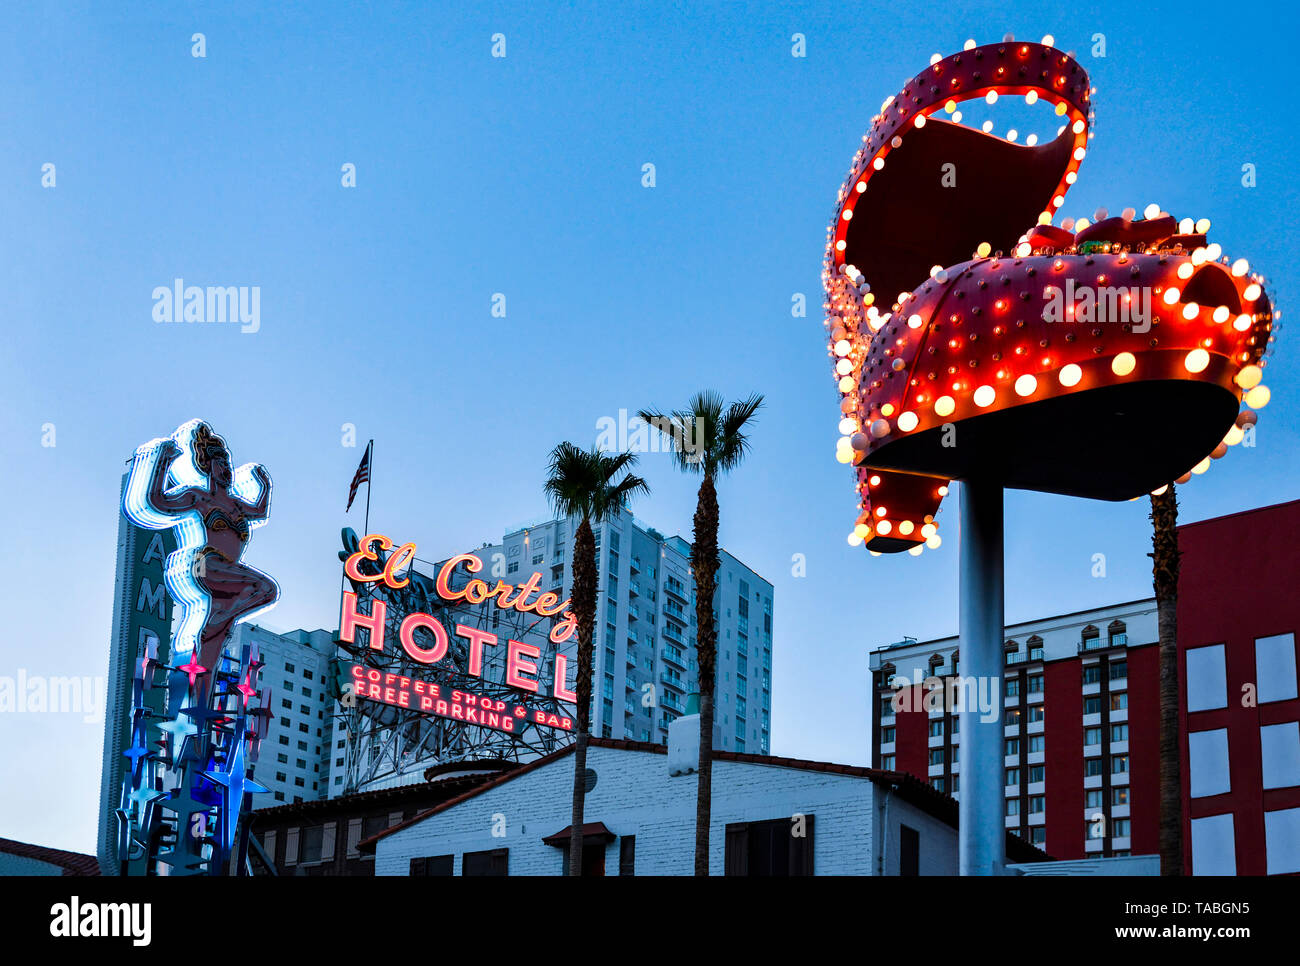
<point x="397" y="794"/>
<point x="72" y="863"/>
<point x="589" y="830"/>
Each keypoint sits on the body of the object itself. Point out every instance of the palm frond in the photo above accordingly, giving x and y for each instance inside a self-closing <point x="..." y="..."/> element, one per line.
<point x="708" y="436"/>
<point x="582" y="483"/>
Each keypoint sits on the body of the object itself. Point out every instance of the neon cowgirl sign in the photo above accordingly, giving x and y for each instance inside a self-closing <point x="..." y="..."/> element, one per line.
<point x="522" y="671"/>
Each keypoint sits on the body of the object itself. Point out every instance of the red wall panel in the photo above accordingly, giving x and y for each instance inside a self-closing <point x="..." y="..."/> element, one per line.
<point x="1063" y="704"/>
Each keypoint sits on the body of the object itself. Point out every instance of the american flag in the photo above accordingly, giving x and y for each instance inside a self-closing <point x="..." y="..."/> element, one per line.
<point x="362" y="475"/>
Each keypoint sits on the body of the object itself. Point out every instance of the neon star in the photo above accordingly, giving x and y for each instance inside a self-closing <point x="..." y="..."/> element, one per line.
<point x="193" y="668"/>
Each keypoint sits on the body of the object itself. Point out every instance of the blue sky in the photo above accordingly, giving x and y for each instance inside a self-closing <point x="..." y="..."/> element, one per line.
<point x="479" y="175"/>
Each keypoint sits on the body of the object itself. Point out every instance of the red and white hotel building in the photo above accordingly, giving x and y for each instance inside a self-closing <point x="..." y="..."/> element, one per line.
<point x="1080" y="711"/>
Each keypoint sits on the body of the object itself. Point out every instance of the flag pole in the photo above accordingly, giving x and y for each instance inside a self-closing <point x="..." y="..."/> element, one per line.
<point x="370" y="475"/>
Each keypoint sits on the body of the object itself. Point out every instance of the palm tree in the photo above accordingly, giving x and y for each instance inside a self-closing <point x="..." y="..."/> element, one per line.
<point x="1165" y="557"/>
<point x="582" y="483"/>
<point x="708" y="437"/>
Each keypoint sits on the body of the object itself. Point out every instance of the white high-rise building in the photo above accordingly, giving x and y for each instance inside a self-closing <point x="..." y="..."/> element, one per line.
<point x="294" y="758"/>
<point x="644" y="662"/>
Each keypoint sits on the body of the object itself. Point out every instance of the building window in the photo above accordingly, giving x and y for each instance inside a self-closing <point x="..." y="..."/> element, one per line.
<point x="1118" y="764"/>
<point x="936" y="756"/>
<point x="781" y="847"/>
<point x="1091" y="767"/>
<point x="1036" y="713"/>
<point x="887" y="762"/>
<point x="1013" y="777"/>
<point x="1036" y="743"/>
<point x="909" y="851"/>
<point x="1011" y="717"/>
<point x="1119" y="732"/>
<point x="936" y="728"/>
<point x="1012" y="687"/>
<point x="1118" y="670"/>
<point x="433" y="865"/>
<point x="1034" y="683"/>
<point x="1038" y="834"/>
<point x="491" y="862"/>
<point x="1013" y="807"/>
<point x="1118" y="702"/>
<point x="887" y="735"/>
<point x="1037" y="773"/>
<point x="1119" y="795"/>
<point x="1092" y="704"/>
<point x="1120" y="828"/>
<point x="1092" y="798"/>
<point x="1092" y="674"/>
<point x="627" y="855"/>
<point x="312" y="839"/>
<point x="1012" y="746"/>
<point x="1092" y="736"/>
<point x="1037" y="804"/>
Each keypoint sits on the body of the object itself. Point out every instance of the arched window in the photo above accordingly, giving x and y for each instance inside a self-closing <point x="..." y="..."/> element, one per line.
<point x="1011" y="652"/>
<point x="887" y="671"/>
<point x="1117" y="632"/>
<point x="1035" y="644"/>
<point x="1091" y="638"/>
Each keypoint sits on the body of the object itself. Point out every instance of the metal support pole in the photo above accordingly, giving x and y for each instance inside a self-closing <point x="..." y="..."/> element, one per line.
<point x="982" y="834"/>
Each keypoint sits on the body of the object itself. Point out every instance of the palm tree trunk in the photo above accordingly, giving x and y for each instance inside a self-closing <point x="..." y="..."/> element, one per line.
<point x="704" y="561"/>
<point x="1165" y="558"/>
<point x="579" y="801"/>
<point x="584" y="609"/>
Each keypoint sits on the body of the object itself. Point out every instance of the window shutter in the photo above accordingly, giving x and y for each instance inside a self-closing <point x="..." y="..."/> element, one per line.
<point x="354" y="837"/>
<point x="736" y="860"/>
<point x="495" y="862"/>
<point x="327" y="841"/>
<point x="268" y="843"/>
<point x="801" y="849"/>
<point x="291" y="847"/>
<point x="439" y="865"/>
<point x="394" y="818"/>
<point x="501" y="862"/>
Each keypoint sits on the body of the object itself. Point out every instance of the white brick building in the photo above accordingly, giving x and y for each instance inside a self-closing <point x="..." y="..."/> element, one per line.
<point x="640" y="819"/>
